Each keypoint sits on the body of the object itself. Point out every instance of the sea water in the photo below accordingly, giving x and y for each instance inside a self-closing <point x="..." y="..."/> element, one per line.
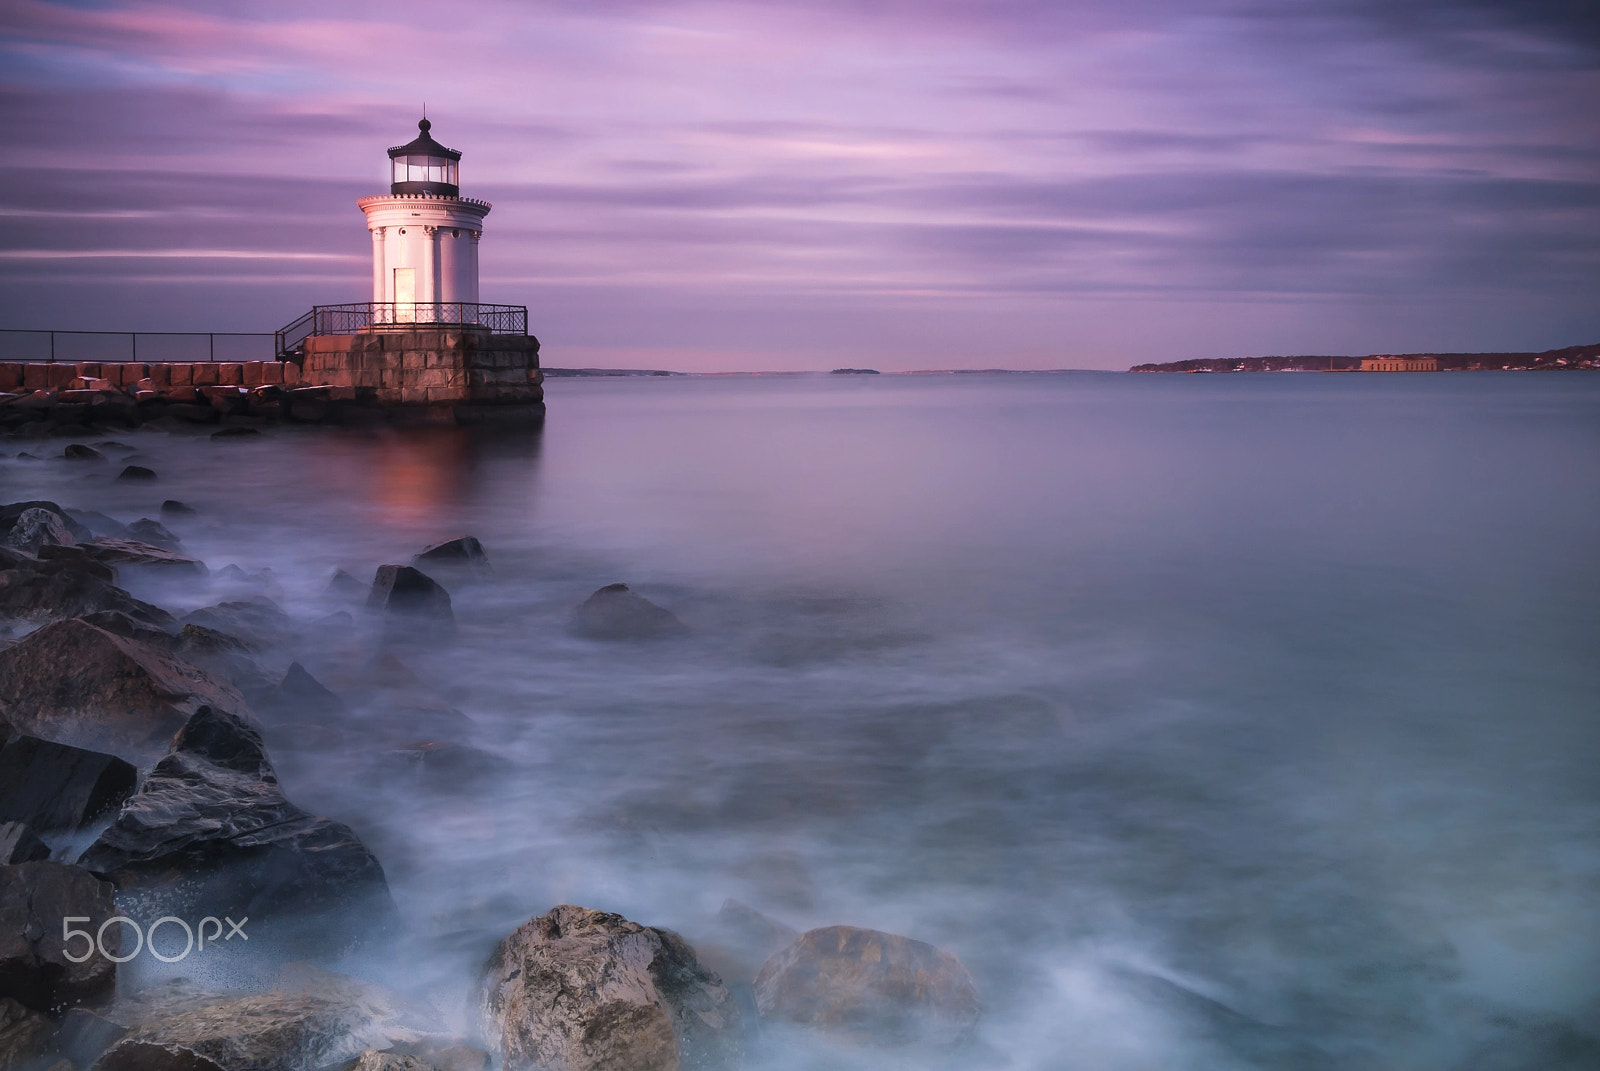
<point x="1213" y="721"/>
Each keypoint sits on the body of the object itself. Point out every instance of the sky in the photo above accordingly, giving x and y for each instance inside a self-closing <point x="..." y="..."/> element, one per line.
<point x="905" y="184"/>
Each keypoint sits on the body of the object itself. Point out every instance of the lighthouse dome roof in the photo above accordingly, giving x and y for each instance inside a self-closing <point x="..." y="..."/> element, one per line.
<point x="423" y="145"/>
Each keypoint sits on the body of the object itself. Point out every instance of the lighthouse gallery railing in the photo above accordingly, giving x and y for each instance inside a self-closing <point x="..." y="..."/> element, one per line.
<point x="362" y="316"/>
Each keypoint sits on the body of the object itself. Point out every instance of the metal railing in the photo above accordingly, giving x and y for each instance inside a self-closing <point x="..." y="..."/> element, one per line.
<point x="134" y="347"/>
<point x="362" y="316"/>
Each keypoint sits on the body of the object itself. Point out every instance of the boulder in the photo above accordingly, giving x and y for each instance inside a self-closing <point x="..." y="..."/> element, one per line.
<point x="35" y="528"/>
<point x="23" y="1033"/>
<point x="125" y="553"/>
<point x="80" y="452"/>
<point x="137" y="473"/>
<point x="299" y="695"/>
<point x="173" y="508"/>
<point x="223" y="656"/>
<point x="257" y="620"/>
<point x="310" y="1019"/>
<point x="74" y="683"/>
<point x="56" y="786"/>
<point x="211" y="831"/>
<point x="582" y="990"/>
<point x="341" y="585"/>
<point x="64" y="582"/>
<point x="425" y="1056"/>
<point x="616" y="613"/>
<point x="19" y="845"/>
<point x="740" y="939"/>
<point x="462" y="557"/>
<point x="10" y="513"/>
<point x="869" y="986"/>
<point x="98" y="523"/>
<point x="154" y="533"/>
<point x="35" y="968"/>
<point x="400" y="589"/>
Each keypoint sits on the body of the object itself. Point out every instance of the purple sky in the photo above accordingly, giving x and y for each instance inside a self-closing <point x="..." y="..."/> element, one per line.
<point x="740" y="185"/>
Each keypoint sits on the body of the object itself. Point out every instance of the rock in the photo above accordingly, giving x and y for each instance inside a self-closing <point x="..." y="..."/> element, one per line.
<point x="439" y="766"/>
<point x="236" y="433"/>
<point x="424" y="1056"/>
<point x="124" y="553"/>
<point x="463" y="556"/>
<point x="175" y="508"/>
<point x="56" y="786"/>
<point x="136" y="472"/>
<point x="154" y="533"/>
<point x="211" y="831"/>
<point x="257" y="620"/>
<point x="223" y="656"/>
<point x="19" y="845"/>
<point x="616" y="613"/>
<point x="23" y="1033"/>
<point x="582" y="990"/>
<point x="410" y="594"/>
<point x="741" y="939"/>
<point x="74" y="683"/>
<point x="35" y="528"/>
<point x="80" y="452"/>
<point x="34" y="966"/>
<point x="64" y="582"/>
<point x="9" y="515"/>
<point x="300" y="695"/>
<point x="310" y="1019"/>
<point x="869" y="986"/>
<point x="99" y="524"/>
<point x="342" y="585"/>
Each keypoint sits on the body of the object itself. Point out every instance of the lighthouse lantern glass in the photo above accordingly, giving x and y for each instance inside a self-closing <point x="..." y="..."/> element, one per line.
<point x="424" y="169"/>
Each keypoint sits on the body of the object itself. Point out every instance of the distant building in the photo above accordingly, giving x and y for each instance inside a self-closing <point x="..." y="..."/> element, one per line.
<point x="1389" y="363"/>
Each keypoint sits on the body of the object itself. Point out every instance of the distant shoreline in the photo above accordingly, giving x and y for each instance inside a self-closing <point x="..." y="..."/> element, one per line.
<point x="1572" y="358"/>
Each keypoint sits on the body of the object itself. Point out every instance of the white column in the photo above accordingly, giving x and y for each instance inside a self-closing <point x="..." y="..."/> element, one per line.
<point x="380" y="269"/>
<point x="430" y="268"/>
<point x="449" y="265"/>
<point x="471" y="289"/>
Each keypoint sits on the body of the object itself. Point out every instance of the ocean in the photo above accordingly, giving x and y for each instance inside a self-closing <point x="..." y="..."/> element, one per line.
<point x="1224" y="721"/>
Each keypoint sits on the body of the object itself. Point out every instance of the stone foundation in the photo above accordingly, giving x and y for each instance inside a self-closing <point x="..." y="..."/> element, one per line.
<point x="460" y="367"/>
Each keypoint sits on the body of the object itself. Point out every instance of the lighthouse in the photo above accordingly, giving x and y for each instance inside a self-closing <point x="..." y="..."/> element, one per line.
<point x="424" y="236"/>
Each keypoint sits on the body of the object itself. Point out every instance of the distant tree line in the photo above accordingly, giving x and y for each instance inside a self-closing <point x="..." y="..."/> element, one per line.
<point x="1570" y="357"/>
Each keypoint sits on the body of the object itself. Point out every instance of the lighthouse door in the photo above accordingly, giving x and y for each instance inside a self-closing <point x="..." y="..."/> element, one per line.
<point x="405" y="294"/>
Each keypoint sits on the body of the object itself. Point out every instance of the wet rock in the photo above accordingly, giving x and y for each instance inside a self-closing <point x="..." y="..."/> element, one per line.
<point x="210" y="826"/>
<point x="173" y="507"/>
<point x="23" y="1033"/>
<point x="869" y="986"/>
<point x="99" y="524"/>
<point x="616" y="613"/>
<point x="64" y="582"/>
<point x="145" y="530"/>
<point x="10" y="513"/>
<point x="257" y="619"/>
<point x="223" y="656"/>
<point x="19" y="845"/>
<point x="34" y="966"/>
<point x="35" y="528"/>
<point x="309" y="1020"/>
<point x="462" y="556"/>
<point x="57" y="786"/>
<point x="136" y="473"/>
<point x="426" y="1056"/>
<point x="126" y="553"/>
<point x="80" y="452"/>
<point x="236" y="432"/>
<point x="300" y="695"/>
<point x="74" y="683"/>
<point x="403" y="589"/>
<point x="582" y="990"/>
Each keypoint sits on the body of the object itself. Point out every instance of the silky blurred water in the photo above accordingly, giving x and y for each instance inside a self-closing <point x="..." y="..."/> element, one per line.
<point x="1214" y="721"/>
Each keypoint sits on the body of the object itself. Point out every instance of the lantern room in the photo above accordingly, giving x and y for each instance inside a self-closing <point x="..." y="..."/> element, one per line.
<point x="424" y="166"/>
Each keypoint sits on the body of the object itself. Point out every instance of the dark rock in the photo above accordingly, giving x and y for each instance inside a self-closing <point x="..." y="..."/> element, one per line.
<point x="300" y="695"/>
<point x="19" y="845"/>
<point x="130" y="552"/>
<point x="616" y="613"/>
<point x="23" y="1035"/>
<point x="174" y="507"/>
<point x="223" y="656"/>
<point x="64" y="582"/>
<point x="80" y="452"/>
<point x="137" y="472"/>
<point x="56" y="786"/>
<point x="342" y="585"/>
<point x="402" y="590"/>
<point x="236" y="432"/>
<point x="99" y="524"/>
<point x="74" y="683"/>
<point x="584" y="990"/>
<point x="80" y="1035"/>
<point x="463" y="556"/>
<point x="257" y="619"/>
<point x="10" y="513"/>
<point x="145" y="530"/>
<point x="869" y="986"/>
<point x="34" y="968"/>
<point x="36" y="528"/>
<point x="112" y="444"/>
<point x="210" y="827"/>
<point x="309" y="1019"/>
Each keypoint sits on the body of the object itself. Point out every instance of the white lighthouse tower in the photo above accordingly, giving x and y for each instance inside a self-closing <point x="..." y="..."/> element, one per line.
<point x="424" y="237"/>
